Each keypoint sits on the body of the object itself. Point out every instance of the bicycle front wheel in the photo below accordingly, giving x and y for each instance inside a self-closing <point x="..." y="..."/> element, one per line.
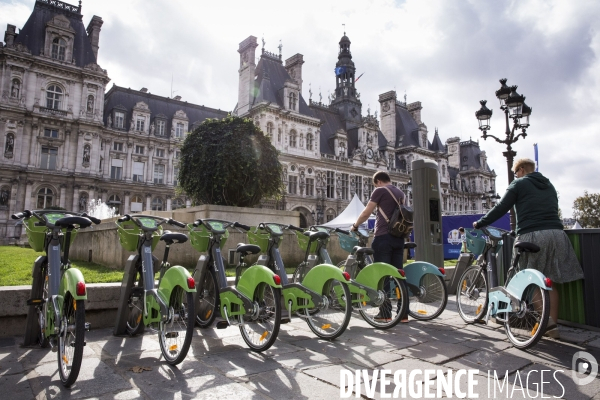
<point x="175" y="335"/>
<point x="261" y="329"/>
<point x="331" y="319"/>
<point x="71" y="340"/>
<point x="42" y="311"/>
<point x="135" y="323"/>
<point x="527" y="326"/>
<point x="208" y="300"/>
<point x="395" y="304"/>
<point x="431" y="299"/>
<point x="472" y="294"/>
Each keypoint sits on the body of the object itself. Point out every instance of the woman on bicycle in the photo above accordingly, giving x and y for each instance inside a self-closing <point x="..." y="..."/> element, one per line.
<point x="386" y="248"/>
<point x="536" y="205"/>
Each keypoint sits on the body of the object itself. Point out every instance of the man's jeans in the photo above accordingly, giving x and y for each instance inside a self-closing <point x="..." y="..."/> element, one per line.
<point x="390" y="250"/>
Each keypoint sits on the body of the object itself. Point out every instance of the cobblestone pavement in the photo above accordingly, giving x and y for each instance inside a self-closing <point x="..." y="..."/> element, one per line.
<point x="299" y="366"/>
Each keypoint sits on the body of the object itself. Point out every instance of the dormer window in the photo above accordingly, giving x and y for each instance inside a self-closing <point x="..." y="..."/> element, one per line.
<point x="160" y="127"/>
<point x="53" y="97"/>
<point x="58" y="49"/>
<point x="179" y="130"/>
<point x="139" y="125"/>
<point x="119" y="120"/>
<point x="292" y="101"/>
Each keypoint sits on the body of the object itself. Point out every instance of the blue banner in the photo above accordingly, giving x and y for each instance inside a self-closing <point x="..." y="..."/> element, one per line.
<point x="340" y="71"/>
<point x="535" y="151"/>
<point x="451" y="236"/>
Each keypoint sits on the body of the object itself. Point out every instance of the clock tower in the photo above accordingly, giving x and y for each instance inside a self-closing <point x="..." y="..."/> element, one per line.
<point x="346" y="97"/>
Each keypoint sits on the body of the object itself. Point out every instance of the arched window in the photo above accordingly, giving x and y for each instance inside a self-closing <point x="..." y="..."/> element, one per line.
<point x="58" y="49"/>
<point x="179" y="130"/>
<point x="292" y="102"/>
<point x="15" y="88"/>
<point x="177" y="204"/>
<point x="269" y="129"/>
<point x="309" y="141"/>
<point x="45" y="198"/>
<point x="293" y="137"/>
<point x="157" y="204"/>
<point x="137" y="204"/>
<point x="53" y="97"/>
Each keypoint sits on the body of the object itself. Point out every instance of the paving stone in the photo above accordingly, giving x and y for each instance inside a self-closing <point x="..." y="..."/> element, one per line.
<point x="435" y="352"/>
<point x="576" y="335"/>
<point x="331" y="373"/>
<point x="488" y="344"/>
<point x="240" y="363"/>
<point x="279" y="347"/>
<point x="303" y="359"/>
<point x="17" y="385"/>
<point x="295" y="385"/>
<point x="485" y="361"/>
<point x="120" y="346"/>
<point x="95" y="379"/>
<point x="37" y="356"/>
<point x="550" y="352"/>
<point x="9" y="362"/>
<point x="387" y="340"/>
<point x="594" y="343"/>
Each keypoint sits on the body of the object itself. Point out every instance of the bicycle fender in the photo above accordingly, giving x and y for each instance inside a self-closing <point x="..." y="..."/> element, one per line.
<point x="68" y="283"/>
<point x="254" y="276"/>
<point x="175" y="276"/>
<point x="524" y="278"/>
<point x="317" y="276"/>
<point x="416" y="270"/>
<point x="371" y="274"/>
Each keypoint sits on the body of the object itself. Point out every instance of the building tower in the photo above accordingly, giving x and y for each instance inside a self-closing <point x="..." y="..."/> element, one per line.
<point x="346" y="98"/>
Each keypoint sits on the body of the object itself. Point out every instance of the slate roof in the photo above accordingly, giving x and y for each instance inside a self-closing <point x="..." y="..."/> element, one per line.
<point x="333" y="122"/>
<point x="33" y="33"/>
<point x="436" y="143"/>
<point x="406" y="128"/>
<point x="470" y="155"/>
<point x="118" y="97"/>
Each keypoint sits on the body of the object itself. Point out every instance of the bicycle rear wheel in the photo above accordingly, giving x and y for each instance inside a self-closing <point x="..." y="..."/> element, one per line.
<point x="71" y="340"/>
<point x="135" y="320"/>
<point x="472" y="294"/>
<point x="331" y="320"/>
<point x="260" y="330"/>
<point x="431" y="299"/>
<point x="394" y="307"/>
<point x="208" y="300"/>
<point x="175" y="335"/>
<point x="526" y="327"/>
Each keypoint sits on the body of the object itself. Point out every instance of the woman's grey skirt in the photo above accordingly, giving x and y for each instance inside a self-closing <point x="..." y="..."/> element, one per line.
<point x="556" y="258"/>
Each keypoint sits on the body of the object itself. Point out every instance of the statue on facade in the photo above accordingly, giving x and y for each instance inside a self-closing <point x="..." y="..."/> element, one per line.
<point x="86" y="154"/>
<point x="82" y="204"/>
<point x="109" y="122"/>
<point x="4" y="197"/>
<point x="16" y="88"/>
<point x="10" y="144"/>
<point x="90" y="104"/>
<point x="152" y="128"/>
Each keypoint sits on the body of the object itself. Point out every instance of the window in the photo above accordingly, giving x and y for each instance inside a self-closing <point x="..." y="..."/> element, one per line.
<point x="279" y="135"/>
<point x="139" y="149"/>
<point x="115" y="201"/>
<point x="117" y="146"/>
<point x="177" y="204"/>
<point x="293" y="184"/>
<point x="292" y="101"/>
<point x="359" y="186"/>
<point x="116" y="169"/>
<point x="139" y="124"/>
<point x="330" y="185"/>
<point x="49" y="155"/>
<point x="160" y="152"/>
<point x="175" y="175"/>
<point x="119" y="119"/>
<point x="179" y="130"/>
<point x="138" y="171"/>
<point x="136" y="204"/>
<point x="293" y="137"/>
<point x="45" y="198"/>
<point x="53" y="97"/>
<point x="59" y="47"/>
<point x="157" y="204"/>
<point x="269" y="129"/>
<point x="159" y="173"/>
<point x="344" y="186"/>
<point x="52" y="133"/>
<point x="310" y="187"/>
<point x="100" y="164"/>
<point x="177" y="154"/>
<point x="309" y="141"/>
<point x="160" y="128"/>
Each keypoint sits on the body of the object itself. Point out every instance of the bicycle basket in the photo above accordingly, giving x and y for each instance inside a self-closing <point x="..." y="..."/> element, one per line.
<point x="35" y="234"/>
<point x="129" y="235"/>
<point x="475" y="241"/>
<point x="200" y="236"/>
<point x="347" y="242"/>
<point x="303" y="242"/>
<point x="259" y="238"/>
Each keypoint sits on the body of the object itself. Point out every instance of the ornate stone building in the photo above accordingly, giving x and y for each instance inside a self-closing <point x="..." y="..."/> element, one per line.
<point x="66" y="140"/>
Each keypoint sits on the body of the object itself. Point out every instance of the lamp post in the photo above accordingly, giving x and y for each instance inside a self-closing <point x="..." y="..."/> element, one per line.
<point x="515" y="109"/>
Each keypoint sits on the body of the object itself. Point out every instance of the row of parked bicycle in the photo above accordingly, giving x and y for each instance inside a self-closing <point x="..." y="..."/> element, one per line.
<point x="261" y="297"/>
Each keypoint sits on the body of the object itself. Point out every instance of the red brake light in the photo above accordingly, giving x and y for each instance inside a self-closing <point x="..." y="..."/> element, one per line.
<point x="346" y="275"/>
<point x="548" y="282"/>
<point x="401" y="272"/>
<point x="442" y="270"/>
<point x="277" y="279"/>
<point x="80" y="289"/>
<point x="191" y="283"/>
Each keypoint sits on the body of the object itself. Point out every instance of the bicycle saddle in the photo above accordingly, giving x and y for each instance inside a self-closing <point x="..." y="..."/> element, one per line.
<point x="362" y="250"/>
<point x="67" y="222"/>
<point x="316" y="235"/>
<point x="527" y="247"/>
<point x="173" y="237"/>
<point x="410" y="245"/>
<point x="247" y="249"/>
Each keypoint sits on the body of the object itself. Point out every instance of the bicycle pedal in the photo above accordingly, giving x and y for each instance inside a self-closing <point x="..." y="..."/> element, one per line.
<point x="286" y="320"/>
<point x="222" y="325"/>
<point x="88" y="326"/>
<point x="35" y="302"/>
<point x="171" y="335"/>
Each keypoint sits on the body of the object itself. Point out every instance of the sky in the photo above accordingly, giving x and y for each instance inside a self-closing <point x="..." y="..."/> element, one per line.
<point x="447" y="54"/>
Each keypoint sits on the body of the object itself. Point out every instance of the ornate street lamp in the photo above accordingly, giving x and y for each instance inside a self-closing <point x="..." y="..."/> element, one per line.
<point x="513" y="105"/>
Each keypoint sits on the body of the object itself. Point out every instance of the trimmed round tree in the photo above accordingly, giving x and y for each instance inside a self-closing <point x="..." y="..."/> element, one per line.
<point x="229" y="162"/>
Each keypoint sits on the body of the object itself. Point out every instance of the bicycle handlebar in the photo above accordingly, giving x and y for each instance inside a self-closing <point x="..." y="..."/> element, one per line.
<point x="23" y="214"/>
<point x="342" y="231"/>
<point x="176" y="223"/>
<point x="294" y="228"/>
<point x="93" y="219"/>
<point x="242" y="226"/>
<point x="124" y="218"/>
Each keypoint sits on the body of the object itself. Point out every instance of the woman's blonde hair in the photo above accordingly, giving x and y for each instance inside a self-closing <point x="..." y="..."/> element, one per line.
<point x="527" y="163"/>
